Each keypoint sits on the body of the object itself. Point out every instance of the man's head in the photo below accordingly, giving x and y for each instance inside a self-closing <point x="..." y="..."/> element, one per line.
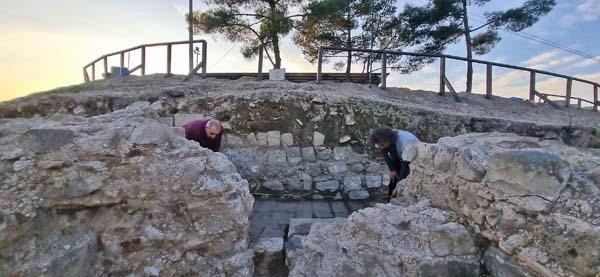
<point x="213" y="128"/>
<point x="383" y="137"/>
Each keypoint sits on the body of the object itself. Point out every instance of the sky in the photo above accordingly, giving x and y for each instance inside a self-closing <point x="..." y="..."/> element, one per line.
<point x="45" y="44"/>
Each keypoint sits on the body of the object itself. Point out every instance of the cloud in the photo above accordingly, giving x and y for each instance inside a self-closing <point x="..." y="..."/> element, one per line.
<point x="584" y="11"/>
<point x="587" y="62"/>
<point x="541" y="58"/>
<point x="181" y="9"/>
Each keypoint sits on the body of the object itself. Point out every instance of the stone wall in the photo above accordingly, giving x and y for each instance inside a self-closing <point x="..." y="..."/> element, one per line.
<point x="536" y="202"/>
<point x="276" y="164"/>
<point x="118" y="194"/>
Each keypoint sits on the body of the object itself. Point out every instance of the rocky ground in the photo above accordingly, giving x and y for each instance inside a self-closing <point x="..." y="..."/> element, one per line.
<point x="118" y="194"/>
<point x="96" y="181"/>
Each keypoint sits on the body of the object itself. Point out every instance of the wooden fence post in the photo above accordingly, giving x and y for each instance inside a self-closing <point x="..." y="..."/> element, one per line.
<point x="143" y="60"/>
<point x="169" y="56"/>
<point x="319" y="65"/>
<point x="86" y="78"/>
<point x="260" y="62"/>
<point x="204" y="57"/>
<point x="122" y="64"/>
<point x="568" y="97"/>
<point x="105" y="67"/>
<point x="532" y="86"/>
<point x="488" y="83"/>
<point x="93" y="72"/>
<point x="383" y="70"/>
<point x="595" y="98"/>
<point x="442" y="75"/>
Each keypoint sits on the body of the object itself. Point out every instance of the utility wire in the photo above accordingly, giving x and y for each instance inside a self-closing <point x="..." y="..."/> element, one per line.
<point x="224" y="55"/>
<point x="537" y="39"/>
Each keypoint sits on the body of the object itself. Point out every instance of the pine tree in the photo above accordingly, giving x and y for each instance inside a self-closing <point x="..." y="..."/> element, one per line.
<point x="441" y="22"/>
<point x="250" y="22"/>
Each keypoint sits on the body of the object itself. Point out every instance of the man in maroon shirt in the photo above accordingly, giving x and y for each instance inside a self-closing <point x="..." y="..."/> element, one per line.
<point x="207" y="132"/>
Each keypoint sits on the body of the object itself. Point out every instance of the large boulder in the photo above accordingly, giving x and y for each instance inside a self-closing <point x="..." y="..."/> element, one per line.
<point x="385" y="240"/>
<point x="536" y="201"/>
<point x="118" y="194"/>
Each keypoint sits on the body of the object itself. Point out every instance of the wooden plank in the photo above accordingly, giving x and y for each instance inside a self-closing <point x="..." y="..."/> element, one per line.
<point x="546" y="99"/>
<point x="143" y="64"/>
<point x="105" y="67"/>
<point x="319" y="65"/>
<point x="169" y="56"/>
<point x="532" y="86"/>
<point x="135" y="69"/>
<point x="86" y="78"/>
<point x="194" y="71"/>
<point x="442" y="75"/>
<point x="568" y="97"/>
<point x="383" y="70"/>
<point x="204" y="57"/>
<point x="259" y="76"/>
<point x="452" y="90"/>
<point x="596" y="98"/>
<point x="488" y="82"/>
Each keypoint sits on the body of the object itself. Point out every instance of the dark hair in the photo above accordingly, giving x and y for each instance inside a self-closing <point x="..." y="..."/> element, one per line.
<point x="383" y="135"/>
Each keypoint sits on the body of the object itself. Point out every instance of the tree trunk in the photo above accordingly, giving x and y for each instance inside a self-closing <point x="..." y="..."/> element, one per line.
<point x="469" y="48"/>
<point x="275" y="37"/>
<point x="349" y="59"/>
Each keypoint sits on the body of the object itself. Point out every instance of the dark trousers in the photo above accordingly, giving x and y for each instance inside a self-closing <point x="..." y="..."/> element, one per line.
<point x="403" y="172"/>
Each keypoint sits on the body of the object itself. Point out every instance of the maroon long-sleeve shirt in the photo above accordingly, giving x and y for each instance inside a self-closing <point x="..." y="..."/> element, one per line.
<point x="196" y="131"/>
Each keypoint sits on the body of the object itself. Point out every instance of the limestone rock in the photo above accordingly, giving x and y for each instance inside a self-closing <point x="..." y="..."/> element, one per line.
<point x="122" y="195"/>
<point x="274" y="138"/>
<point x="269" y="257"/>
<point x="382" y="241"/>
<point x="287" y="139"/>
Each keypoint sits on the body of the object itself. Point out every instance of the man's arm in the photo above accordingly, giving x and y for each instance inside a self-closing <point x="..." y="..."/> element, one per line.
<point x="217" y="144"/>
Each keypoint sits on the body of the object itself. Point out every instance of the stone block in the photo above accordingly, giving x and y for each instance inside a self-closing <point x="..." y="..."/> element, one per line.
<point x="261" y="139"/>
<point x="373" y="181"/>
<point x="318" y="139"/>
<point x="166" y="121"/>
<point x="323" y="153"/>
<point x="337" y="168"/>
<point x="287" y="139"/>
<point x="274" y="138"/>
<point x="294" y="155"/>
<point x="357" y="167"/>
<point x="233" y="141"/>
<point x="274" y="185"/>
<point x="352" y="183"/>
<point x="276" y="157"/>
<point x="527" y="173"/>
<point x="46" y="140"/>
<point x="342" y="153"/>
<point x="277" y="74"/>
<point x="180" y="119"/>
<point x="471" y="165"/>
<point x="358" y="194"/>
<point x="308" y="154"/>
<point x="251" y="140"/>
<point x="328" y="185"/>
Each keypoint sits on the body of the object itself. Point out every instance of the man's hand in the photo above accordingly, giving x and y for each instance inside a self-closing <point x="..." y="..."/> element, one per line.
<point x="393" y="175"/>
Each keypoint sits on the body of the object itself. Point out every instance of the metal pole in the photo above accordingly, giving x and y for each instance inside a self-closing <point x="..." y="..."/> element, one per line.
<point x="191" y="36"/>
<point x="372" y="41"/>
<point x="442" y="75"/>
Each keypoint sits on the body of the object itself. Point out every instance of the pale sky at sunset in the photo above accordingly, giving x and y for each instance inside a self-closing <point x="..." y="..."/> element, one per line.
<point x="44" y="44"/>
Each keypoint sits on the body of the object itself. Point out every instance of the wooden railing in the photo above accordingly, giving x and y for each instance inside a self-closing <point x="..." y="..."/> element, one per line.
<point x="445" y="83"/>
<point x="142" y="65"/>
